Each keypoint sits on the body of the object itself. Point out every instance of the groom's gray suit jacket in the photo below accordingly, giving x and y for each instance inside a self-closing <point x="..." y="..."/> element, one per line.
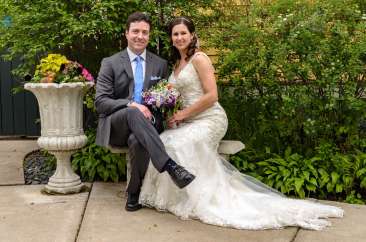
<point x="115" y="86"/>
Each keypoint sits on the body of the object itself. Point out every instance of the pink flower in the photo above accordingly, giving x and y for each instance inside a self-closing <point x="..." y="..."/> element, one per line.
<point x="87" y="75"/>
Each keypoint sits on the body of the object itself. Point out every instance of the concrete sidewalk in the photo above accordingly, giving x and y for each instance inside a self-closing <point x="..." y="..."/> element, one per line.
<point x="28" y="215"/>
<point x="12" y="153"/>
<point x="97" y="216"/>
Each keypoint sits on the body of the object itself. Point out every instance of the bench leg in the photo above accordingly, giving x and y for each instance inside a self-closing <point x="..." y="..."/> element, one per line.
<point x="128" y="169"/>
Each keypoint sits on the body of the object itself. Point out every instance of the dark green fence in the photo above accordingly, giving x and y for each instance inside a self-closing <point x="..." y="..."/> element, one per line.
<point x="18" y="112"/>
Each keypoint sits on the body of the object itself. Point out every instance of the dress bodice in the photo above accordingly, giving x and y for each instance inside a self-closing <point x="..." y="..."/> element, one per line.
<point x="188" y="83"/>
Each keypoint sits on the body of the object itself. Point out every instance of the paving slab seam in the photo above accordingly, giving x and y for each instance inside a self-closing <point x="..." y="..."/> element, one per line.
<point x="17" y="138"/>
<point x="83" y="214"/>
<point x="12" y="185"/>
<point x="295" y="235"/>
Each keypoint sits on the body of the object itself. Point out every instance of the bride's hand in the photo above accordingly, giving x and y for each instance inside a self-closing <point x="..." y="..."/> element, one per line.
<point x="176" y="119"/>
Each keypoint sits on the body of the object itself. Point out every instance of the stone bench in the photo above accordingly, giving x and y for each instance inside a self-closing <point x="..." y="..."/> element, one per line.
<point x="226" y="148"/>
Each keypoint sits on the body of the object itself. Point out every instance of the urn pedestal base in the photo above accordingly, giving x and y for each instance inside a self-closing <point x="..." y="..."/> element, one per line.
<point x="65" y="180"/>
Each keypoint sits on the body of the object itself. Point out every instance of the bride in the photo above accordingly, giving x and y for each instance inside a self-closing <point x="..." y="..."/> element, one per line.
<point x="220" y="194"/>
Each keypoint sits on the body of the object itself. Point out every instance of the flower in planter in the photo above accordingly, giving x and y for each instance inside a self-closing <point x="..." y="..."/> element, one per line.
<point x="56" y="68"/>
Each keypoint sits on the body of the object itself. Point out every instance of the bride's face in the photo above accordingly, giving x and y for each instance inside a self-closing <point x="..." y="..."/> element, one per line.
<point x="181" y="37"/>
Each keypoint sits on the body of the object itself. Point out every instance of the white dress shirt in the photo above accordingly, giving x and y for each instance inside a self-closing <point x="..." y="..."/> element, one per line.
<point x="132" y="57"/>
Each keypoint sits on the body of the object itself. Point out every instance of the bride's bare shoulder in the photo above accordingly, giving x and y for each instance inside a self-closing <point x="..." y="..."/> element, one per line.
<point x="200" y="57"/>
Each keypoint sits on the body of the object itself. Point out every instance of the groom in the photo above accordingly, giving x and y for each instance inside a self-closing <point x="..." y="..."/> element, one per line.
<point x="123" y="120"/>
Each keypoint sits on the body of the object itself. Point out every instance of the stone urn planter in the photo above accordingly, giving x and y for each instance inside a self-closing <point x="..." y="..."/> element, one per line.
<point x="62" y="134"/>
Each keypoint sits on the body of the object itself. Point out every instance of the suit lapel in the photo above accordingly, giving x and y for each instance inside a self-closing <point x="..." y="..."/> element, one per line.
<point x="127" y="67"/>
<point x="149" y="69"/>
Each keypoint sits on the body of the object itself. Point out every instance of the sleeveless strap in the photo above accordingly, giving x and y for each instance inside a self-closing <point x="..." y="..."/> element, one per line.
<point x="199" y="53"/>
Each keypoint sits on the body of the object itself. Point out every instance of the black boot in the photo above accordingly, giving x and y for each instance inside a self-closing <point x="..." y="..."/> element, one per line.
<point x="180" y="176"/>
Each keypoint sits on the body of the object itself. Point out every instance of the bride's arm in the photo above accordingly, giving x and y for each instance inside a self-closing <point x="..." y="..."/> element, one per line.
<point x="205" y="71"/>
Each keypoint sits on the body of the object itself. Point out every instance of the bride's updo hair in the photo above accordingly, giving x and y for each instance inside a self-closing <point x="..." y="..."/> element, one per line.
<point x="175" y="55"/>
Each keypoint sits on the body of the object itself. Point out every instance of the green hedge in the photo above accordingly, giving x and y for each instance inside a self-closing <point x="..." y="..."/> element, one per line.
<point x="293" y="84"/>
<point x="97" y="163"/>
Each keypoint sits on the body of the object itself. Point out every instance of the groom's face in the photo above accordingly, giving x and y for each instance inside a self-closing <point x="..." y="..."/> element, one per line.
<point x="138" y="36"/>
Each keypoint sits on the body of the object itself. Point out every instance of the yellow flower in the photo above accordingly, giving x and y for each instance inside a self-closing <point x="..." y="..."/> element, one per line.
<point x="51" y="63"/>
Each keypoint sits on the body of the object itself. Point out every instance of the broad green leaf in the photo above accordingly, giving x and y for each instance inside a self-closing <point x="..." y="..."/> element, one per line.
<point x="330" y="187"/>
<point x="298" y="183"/>
<point x="335" y="177"/>
<point x="363" y="183"/>
<point x="313" y="181"/>
<point x="301" y="193"/>
<point x="310" y="187"/>
<point x="339" y="188"/>
<point x="361" y="172"/>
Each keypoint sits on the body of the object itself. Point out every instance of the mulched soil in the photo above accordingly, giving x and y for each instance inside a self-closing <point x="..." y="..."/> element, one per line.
<point x="36" y="169"/>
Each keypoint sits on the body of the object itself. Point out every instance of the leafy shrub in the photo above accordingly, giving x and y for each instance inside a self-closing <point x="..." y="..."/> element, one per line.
<point x="296" y="70"/>
<point x="293" y="85"/>
<point x="335" y="177"/>
<point x="97" y="163"/>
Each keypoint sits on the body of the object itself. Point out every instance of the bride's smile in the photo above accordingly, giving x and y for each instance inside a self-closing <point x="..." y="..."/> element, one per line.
<point x="181" y="37"/>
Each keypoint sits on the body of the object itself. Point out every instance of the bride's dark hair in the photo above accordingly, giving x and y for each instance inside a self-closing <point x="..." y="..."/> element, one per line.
<point x="193" y="46"/>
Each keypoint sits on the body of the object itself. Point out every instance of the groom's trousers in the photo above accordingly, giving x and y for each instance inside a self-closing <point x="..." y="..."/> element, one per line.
<point x="130" y="127"/>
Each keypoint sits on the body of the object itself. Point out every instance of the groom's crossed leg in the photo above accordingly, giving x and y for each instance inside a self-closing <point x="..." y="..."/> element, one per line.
<point x="130" y="127"/>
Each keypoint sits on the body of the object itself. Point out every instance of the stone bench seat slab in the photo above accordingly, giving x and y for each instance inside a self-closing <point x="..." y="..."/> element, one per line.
<point x="226" y="147"/>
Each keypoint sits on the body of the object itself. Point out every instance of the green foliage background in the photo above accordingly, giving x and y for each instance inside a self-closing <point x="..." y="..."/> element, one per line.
<point x="87" y="31"/>
<point x="291" y="79"/>
<point x="293" y="85"/>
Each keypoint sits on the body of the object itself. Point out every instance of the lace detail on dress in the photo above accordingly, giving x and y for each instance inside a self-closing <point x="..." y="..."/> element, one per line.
<point x="220" y="194"/>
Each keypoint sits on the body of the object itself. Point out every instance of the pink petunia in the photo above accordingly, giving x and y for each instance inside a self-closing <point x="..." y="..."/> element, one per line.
<point x="87" y="75"/>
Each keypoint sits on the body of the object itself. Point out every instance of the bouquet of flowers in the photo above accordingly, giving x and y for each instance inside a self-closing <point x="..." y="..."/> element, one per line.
<point x="56" y="68"/>
<point x="163" y="100"/>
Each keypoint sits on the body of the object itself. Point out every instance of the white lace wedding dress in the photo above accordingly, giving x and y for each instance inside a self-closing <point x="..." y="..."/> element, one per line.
<point x="220" y="194"/>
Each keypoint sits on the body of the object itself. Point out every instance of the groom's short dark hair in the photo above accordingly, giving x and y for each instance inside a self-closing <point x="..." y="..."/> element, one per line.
<point x="137" y="17"/>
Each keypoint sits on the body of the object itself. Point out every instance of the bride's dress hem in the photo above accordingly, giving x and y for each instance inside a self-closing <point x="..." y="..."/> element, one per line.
<point x="309" y="225"/>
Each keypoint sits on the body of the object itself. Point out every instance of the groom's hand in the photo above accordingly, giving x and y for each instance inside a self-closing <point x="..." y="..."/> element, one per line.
<point x="143" y="109"/>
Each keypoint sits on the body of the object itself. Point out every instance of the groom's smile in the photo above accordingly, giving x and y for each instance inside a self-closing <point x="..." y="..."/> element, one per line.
<point x="138" y="36"/>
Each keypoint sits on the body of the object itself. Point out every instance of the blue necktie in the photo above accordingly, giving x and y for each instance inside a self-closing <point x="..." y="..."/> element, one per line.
<point x="139" y="80"/>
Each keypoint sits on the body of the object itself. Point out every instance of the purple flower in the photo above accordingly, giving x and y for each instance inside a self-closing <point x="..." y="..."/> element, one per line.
<point x="164" y="97"/>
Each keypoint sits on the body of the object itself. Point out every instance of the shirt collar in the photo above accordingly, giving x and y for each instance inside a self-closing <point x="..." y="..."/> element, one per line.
<point x="132" y="55"/>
